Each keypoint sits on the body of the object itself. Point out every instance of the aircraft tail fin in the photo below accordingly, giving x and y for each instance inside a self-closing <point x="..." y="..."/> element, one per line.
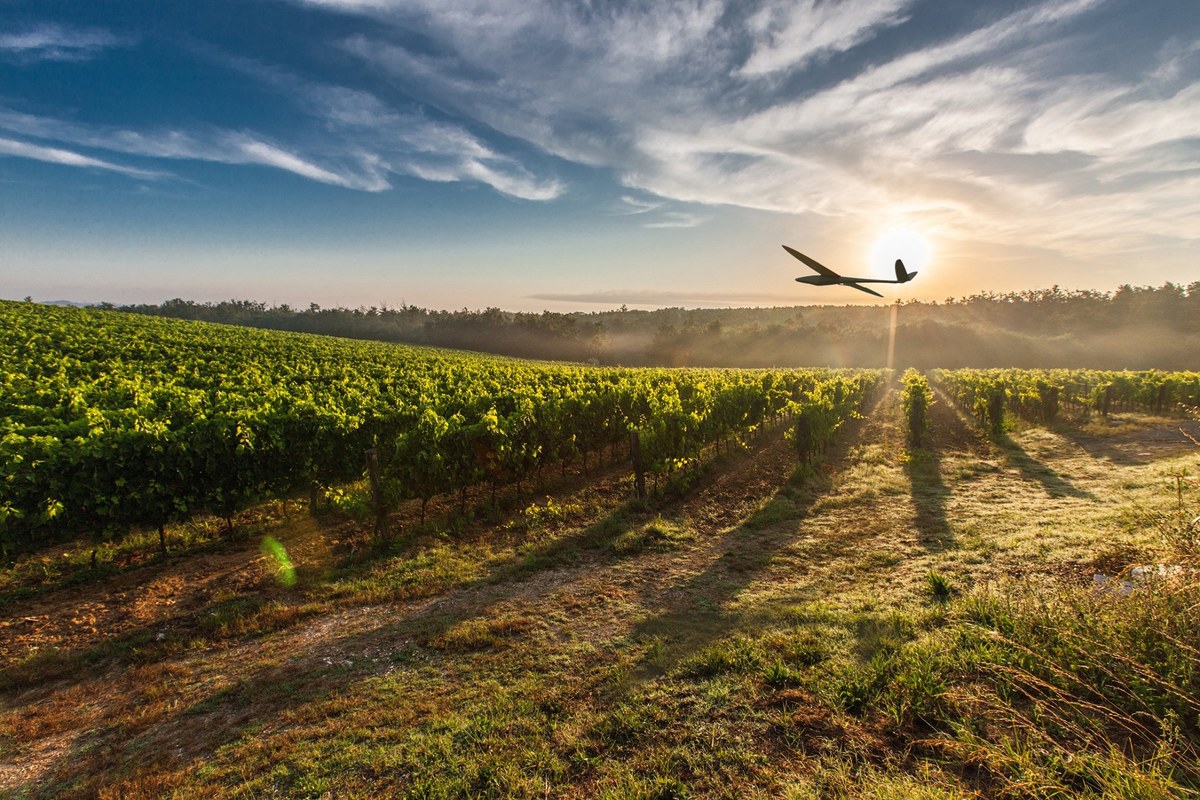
<point x="903" y="275"/>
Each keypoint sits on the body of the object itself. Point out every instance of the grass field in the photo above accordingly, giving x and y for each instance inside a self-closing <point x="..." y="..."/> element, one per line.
<point x="891" y="624"/>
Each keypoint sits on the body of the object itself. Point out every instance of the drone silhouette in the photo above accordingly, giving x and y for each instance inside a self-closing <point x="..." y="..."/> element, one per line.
<point x="827" y="277"/>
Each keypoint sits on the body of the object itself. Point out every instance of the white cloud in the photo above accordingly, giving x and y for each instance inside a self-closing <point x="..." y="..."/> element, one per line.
<point x="56" y="43"/>
<point x="635" y="205"/>
<point x="1115" y="123"/>
<point x="677" y="219"/>
<point x="986" y="134"/>
<point x="682" y="101"/>
<point x="383" y="141"/>
<point x="360" y="143"/>
<point x="252" y="151"/>
<point x="793" y="33"/>
<point x="219" y="146"/>
<point x="512" y="182"/>
<point x="1002" y="129"/>
<point x="57" y="155"/>
<point x="589" y="106"/>
<point x="406" y="145"/>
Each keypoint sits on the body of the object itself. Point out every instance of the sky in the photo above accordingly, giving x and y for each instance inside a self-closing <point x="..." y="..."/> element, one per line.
<point x="540" y="154"/>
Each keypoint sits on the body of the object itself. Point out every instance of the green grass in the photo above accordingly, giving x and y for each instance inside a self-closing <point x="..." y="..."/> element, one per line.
<point x="1051" y="689"/>
<point x="657" y="534"/>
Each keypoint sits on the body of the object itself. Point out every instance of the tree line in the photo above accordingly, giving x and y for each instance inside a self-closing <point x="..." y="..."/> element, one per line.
<point x="1129" y="328"/>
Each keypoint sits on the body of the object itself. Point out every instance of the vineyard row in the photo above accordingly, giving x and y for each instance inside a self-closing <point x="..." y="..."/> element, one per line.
<point x="1041" y="395"/>
<point x="112" y="422"/>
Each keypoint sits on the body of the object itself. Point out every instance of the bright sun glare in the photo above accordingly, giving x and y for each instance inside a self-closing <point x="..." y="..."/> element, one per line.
<point x="902" y="243"/>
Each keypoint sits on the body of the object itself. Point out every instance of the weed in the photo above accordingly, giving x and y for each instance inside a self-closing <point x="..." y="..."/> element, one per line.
<point x="430" y="571"/>
<point x="1177" y="528"/>
<point x="536" y="517"/>
<point x="658" y="787"/>
<point x="1071" y="691"/>
<point x="736" y="655"/>
<point x="940" y="587"/>
<point x="477" y="634"/>
<point x="658" y="534"/>
<point x="352" y="502"/>
<point x="779" y="675"/>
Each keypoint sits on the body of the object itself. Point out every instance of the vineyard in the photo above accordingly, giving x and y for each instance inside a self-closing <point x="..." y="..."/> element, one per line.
<point x="113" y="421"/>
<point x="696" y="583"/>
<point x="1039" y="395"/>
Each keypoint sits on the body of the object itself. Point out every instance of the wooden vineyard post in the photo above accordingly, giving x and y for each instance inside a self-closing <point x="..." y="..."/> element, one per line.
<point x="382" y="533"/>
<point x="639" y="471"/>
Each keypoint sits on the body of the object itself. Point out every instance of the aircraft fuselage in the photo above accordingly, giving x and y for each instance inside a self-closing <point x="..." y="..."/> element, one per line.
<point x="827" y="277"/>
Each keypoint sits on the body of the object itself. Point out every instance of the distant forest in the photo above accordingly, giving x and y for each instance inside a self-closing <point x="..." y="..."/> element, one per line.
<point x="1132" y="327"/>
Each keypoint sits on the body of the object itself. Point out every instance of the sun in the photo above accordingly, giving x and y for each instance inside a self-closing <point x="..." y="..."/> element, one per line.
<point x="904" y="243"/>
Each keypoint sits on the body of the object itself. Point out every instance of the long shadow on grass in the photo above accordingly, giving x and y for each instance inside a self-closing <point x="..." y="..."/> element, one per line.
<point x="312" y="673"/>
<point x="929" y="495"/>
<point x="950" y="433"/>
<point x="1033" y="470"/>
<point x="1136" y="447"/>
<point x="698" y="613"/>
<point x="315" y="670"/>
<point x="162" y="639"/>
<point x="1098" y="448"/>
<point x="332" y="667"/>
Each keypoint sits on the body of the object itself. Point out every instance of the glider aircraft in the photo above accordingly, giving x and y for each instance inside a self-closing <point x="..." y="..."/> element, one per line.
<point x="827" y="277"/>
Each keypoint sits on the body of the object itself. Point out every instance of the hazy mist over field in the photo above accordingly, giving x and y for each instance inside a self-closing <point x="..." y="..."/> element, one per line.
<point x="1130" y="328"/>
<point x="530" y="155"/>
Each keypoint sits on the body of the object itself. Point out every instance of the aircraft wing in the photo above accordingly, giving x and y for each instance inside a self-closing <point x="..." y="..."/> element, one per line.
<point x="862" y="288"/>
<point x="821" y="268"/>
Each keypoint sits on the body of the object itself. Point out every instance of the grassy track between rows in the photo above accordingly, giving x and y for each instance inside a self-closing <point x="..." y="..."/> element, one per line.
<point x="701" y="644"/>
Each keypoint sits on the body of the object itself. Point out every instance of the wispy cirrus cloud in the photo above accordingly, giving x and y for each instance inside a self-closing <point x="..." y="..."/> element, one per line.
<point x="354" y="141"/>
<point x="400" y="142"/>
<point x="50" y="42"/>
<point x="382" y="144"/>
<point x="659" y="214"/>
<point x="246" y="149"/>
<point x="1003" y="126"/>
<point x="788" y="36"/>
<point x="213" y="145"/>
<point x="994" y="121"/>
<point x="410" y="143"/>
<point x="637" y="205"/>
<point x="69" y="158"/>
<point x="677" y="219"/>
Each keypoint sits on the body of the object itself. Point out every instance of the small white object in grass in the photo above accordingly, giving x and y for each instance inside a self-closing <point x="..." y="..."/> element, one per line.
<point x="1138" y="576"/>
<point x="1152" y="571"/>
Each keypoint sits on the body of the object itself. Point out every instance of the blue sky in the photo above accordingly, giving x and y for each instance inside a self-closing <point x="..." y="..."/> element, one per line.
<point x="537" y="154"/>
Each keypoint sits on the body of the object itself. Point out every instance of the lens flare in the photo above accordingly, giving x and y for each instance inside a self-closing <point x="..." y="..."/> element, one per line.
<point x="285" y="573"/>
